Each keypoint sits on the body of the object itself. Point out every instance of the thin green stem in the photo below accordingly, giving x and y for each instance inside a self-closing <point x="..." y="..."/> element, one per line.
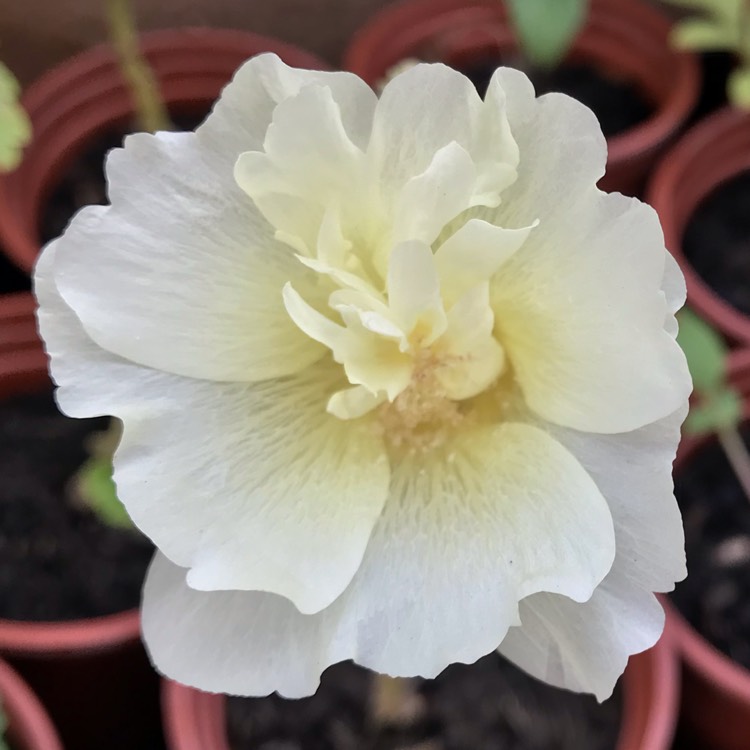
<point x="152" y="114"/>
<point x="394" y="702"/>
<point x="736" y="452"/>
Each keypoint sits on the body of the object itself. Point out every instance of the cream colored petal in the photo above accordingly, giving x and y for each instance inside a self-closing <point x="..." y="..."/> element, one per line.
<point x="369" y="359"/>
<point x="633" y="471"/>
<point x="428" y="201"/>
<point x="314" y="162"/>
<point x="355" y="402"/>
<point x="262" y="490"/>
<point x="579" y="309"/>
<point x="495" y="139"/>
<point x="181" y="273"/>
<point x="474" y="254"/>
<point x="414" y="292"/>
<point x="675" y="292"/>
<point x="585" y="647"/>
<point x="317" y="164"/>
<point x="313" y="323"/>
<point x="411" y="123"/>
<point x="474" y="358"/>
<point x="464" y="535"/>
<point x="580" y="313"/>
<point x="241" y="116"/>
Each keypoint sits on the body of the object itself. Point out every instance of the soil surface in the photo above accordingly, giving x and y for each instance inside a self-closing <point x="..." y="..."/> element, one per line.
<point x="57" y="561"/>
<point x="490" y="705"/>
<point x="617" y="103"/>
<point x="717" y="241"/>
<point x="715" y="597"/>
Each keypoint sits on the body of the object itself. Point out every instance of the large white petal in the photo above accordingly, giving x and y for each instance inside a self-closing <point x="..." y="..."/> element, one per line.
<point x="241" y="116"/>
<point x="585" y="647"/>
<point x="411" y="123"/>
<point x="675" y="292"/>
<point x="414" y="292"/>
<point x="634" y="472"/>
<point x="181" y="273"/>
<point x="505" y="513"/>
<point x="580" y="307"/>
<point x="318" y="164"/>
<point x="253" y="486"/>
<point x="473" y="254"/>
<point x="428" y="201"/>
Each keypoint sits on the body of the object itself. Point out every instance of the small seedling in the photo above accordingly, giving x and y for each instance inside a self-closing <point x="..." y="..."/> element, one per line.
<point x="15" y="127"/>
<point x="546" y="28"/>
<point x="94" y="486"/>
<point x="716" y="407"/>
<point x="720" y="26"/>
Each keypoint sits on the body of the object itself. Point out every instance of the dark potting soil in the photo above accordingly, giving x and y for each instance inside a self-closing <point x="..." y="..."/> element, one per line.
<point x="57" y="560"/>
<point x="715" y="69"/>
<point x="717" y="241"/>
<point x="617" y="103"/>
<point x="12" y="279"/>
<point x="715" y="597"/>
<point x="490" y="705"/>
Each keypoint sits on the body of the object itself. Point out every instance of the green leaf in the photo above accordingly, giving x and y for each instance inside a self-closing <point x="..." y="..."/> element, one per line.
<point x="98" y="490"/>
<point x="546" y="28"/>
<point x="738" y="88"/>
<point x="15" y="127"/>
<point x="727" y="11"/>
<point x="705" y="351"/>
<point x="717" y="412"/>
<point x="703" y="36"/>
<point x="3" y="729"/>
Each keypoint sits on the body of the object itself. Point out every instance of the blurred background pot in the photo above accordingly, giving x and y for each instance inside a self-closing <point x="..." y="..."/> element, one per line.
<point x="624" y="39"/>
<point x="196" y="721"/>
<point x="92" y="675"/>
<point x="29" y="727"/>
<point x="715" y="690"/>
<point x="17" y="322"/>
<point x="707" y="157"/>
<point x="79" y="101"/>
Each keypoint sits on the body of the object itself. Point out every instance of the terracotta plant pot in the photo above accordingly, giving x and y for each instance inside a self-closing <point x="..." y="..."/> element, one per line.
<point x="196" y="721"/>
<point x="714" y="151"/>
<point x="85" y="97"/>
<point x="92" y="675"/>
<point x="29" y="727"/>
<point x="17" y="322"/>
<point x="626" y="37"/>
<point x="716" y="690"/>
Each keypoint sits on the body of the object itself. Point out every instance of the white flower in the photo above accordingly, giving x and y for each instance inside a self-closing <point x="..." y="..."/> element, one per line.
<point x="398" y="382"/>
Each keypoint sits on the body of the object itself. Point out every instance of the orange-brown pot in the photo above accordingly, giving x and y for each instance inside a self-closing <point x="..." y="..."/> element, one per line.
<point x="92" y="675"/>
<point x="714" y="151"/>
<point x="29" y="727"/>
<point x="716" y="690"/>
<point x="196" y="721"/>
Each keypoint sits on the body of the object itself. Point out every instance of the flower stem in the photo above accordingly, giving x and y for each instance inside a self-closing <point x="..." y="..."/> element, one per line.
<point x="736" y="452"/>
<point x="150" y="108"/>
<point x="394" y="702"/>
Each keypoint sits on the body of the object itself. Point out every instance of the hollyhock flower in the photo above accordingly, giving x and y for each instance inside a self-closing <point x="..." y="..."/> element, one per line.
<point x="399" y="384"/>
